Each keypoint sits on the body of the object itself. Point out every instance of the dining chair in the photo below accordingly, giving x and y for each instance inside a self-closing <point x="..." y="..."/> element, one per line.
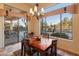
<point x="54" y="48"/>
<point x="25" y="48"/>
<point x="30" y="34"/>
<point x="46" y="35"/>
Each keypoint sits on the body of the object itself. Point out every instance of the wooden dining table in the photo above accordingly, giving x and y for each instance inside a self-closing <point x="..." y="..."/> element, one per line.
<point x="42" y="45"/>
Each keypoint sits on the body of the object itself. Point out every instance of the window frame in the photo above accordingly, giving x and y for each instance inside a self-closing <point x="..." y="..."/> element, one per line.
<point x="61" y="26"/>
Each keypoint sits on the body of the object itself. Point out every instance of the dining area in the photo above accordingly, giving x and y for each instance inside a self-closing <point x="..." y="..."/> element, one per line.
<point x="31" y="29"/>
<point x="40" y="31"/>
<point x="39" y="46"/>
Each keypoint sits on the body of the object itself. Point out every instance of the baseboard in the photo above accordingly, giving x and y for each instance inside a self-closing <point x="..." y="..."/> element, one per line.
<point x="74" y="54"/>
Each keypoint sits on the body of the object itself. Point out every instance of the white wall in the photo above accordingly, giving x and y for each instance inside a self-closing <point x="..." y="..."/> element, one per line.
<point x="34" y="26"/>
<point x="1" y="32"/>
<point x="72" y="46"/>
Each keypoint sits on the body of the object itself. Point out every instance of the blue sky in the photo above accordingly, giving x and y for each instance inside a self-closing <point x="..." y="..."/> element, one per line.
<point x="56" y="18"/>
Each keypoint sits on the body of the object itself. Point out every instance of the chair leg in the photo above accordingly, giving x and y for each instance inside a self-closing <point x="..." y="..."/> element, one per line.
<point x="22" y="49"/>
<point x="54" y="48"/>
<point x="37" y="53"/>
<point x="51" y="53"/>
<point x="30" y="51"/>
<point x="55" y="51"/>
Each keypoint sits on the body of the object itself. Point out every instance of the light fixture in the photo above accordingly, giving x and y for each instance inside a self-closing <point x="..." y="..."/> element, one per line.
<point x="38" y="13"/>
<point x="65" y="9"/>
<point x="7" y="11"/>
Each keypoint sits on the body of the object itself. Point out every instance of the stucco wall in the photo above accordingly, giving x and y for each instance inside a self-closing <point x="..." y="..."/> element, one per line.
<point x="34" y="26"/>
<point x="1" y="28"/>
<point x="1" y="32"/>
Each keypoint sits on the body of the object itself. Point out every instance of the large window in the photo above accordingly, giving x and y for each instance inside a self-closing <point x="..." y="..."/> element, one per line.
<point x="23" y="28"/>
<point x="58" y="25"/>
<point x="51" y="24"/>
<point x="14" y="30"/>
<point x="66" y="23"/>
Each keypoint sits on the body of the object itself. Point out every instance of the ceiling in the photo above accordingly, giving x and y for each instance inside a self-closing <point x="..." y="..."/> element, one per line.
<point x="27" y="6"/>
<point x="41" y="5"/>
<point x="23" y="7"/>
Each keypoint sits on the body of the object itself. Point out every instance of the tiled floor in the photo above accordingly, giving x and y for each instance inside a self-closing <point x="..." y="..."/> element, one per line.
<point x="8" y="50"/>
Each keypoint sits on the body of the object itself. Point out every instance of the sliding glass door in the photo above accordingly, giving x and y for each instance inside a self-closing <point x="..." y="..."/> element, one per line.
<point x="22" y="28"/>
<point x="14" y="30"/>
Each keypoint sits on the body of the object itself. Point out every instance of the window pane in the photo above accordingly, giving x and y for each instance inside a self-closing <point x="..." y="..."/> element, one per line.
<point x="67" y="25"/>
<point x="22" y="28"/>
<point x="14" y="30"/>
<point x="59" y="25"/>
<point x="51" y="24"/>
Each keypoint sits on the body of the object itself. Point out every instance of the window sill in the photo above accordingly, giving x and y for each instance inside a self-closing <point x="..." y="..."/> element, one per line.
<point x="61" y="38"/>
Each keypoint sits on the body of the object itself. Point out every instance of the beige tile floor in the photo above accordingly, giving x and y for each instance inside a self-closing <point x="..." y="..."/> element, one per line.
<point x="8" y="50"/>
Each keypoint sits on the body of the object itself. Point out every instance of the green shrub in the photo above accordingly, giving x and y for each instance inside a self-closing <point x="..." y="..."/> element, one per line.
<point x="62" y="35"/>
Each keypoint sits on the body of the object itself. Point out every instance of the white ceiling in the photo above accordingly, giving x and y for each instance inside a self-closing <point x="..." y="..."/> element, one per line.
<point x="27" y="6"/>
<point x="20" y="7"/>
<point x="41" y="5"/>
